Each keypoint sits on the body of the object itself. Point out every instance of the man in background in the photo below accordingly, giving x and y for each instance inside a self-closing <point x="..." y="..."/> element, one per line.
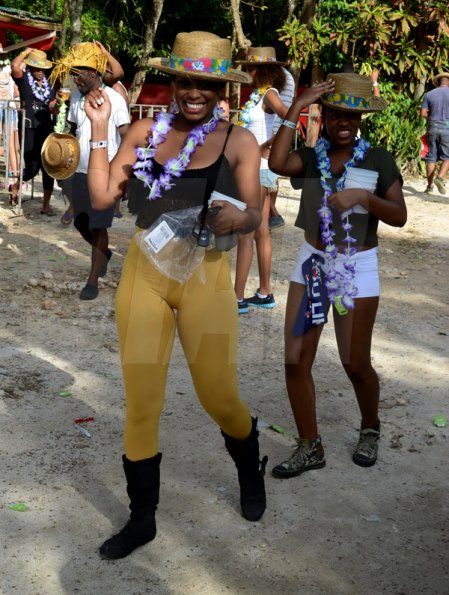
<point x="435" y="108"/>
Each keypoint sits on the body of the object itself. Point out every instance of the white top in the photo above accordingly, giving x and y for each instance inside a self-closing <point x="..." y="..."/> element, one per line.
<point x="287" y="94"/>
<point x="261" y="124"/>
<point x="119" y="116"/>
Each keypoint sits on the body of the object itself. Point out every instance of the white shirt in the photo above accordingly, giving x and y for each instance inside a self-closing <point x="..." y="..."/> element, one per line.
<point x="287" y="94"/>
<point x="119" y="116"/>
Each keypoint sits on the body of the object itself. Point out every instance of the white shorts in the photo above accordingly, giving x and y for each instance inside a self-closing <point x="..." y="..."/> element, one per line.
<point x="366" y="269"/>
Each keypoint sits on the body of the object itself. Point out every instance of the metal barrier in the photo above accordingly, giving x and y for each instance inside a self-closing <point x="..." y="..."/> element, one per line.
<point x="11" y="111"/>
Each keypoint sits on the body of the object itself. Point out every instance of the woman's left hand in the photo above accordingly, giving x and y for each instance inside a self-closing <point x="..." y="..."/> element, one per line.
<point x="97" y="105"/>
<point x="346" y="199"/>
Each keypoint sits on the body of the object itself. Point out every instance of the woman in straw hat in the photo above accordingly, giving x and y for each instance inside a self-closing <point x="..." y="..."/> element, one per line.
<point x="258" y="117"/>
<point x="179" y="159"/>
<point x="37" y="97"/>
<point x="347" y="188"/>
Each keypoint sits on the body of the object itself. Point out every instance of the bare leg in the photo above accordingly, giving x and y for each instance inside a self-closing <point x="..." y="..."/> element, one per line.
<point x="354" y="332"/>
<point x="299" y="357"/>
<point x="264" y="246"/>
<point x="100" y="241"/>
<point x="430" y="171"/>
<point x="46" y="210"/>
<point x="444" y="168"/>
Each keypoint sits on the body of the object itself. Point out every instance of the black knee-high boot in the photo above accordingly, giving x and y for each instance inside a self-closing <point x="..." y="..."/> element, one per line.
<point x="245" y="454"/>
<point x="143" y="482"/>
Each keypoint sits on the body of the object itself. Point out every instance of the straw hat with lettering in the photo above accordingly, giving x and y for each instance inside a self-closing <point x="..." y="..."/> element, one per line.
<point x="203" y="55"/>
<point x="80" y="55"/>
<point x="60" y="155"/>
<point x="353" y="93"/>
<point x="258" y="56"/>
<point x="38" y="59"/>
<point x="436" y="79"/>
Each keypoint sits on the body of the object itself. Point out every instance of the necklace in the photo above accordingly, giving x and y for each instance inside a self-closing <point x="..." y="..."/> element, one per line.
<point x="174" y="167"/>
<point x="42" y="93"/>
<point x="253" y="100"/>
<point x="336" y="281"/>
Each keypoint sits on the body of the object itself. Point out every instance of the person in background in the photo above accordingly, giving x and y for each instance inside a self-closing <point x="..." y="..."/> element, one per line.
<point x="111" y="77"/>
<point x="86" y="63"/>
<point x="177" y="160"/>
<point x="435" y="108"/>
<point x="258" y="116"/>
<point x="9" y="96"/>
<point x="38" y="99"/>
<point x="337" y="262"/>
<point x="287" y="94"/>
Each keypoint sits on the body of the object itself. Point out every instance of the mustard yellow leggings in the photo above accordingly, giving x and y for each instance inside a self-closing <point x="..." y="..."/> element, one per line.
<point x="206" y="319"/>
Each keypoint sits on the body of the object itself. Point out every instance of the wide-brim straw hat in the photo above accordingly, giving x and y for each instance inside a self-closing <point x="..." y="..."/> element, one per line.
<point x="38" y="59"/>
<point x="80" y="55"/>
<point x="438" y="77"/>
<point x="353" y="93"/>
<point x="202" y="55"/>
<point x="258" y="56"/>
<point x="60" y="155"/>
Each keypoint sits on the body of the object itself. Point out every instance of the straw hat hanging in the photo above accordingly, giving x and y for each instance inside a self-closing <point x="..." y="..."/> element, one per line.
<point x="60" y="155"/>
<point x="353" y="93"/>
<point x="200" y="55"/>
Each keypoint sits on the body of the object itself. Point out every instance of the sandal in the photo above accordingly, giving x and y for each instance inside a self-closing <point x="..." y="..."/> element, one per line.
<point x="66" y="218"/>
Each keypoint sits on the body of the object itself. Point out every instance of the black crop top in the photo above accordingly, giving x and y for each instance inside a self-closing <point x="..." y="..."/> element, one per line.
<point x="192" y="188"/>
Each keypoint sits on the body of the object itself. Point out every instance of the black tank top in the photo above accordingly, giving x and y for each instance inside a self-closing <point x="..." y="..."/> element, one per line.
<point x="192" y="188"/>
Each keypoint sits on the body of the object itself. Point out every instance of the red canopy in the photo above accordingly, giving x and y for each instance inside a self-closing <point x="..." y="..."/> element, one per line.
<point x="36" y="31"/>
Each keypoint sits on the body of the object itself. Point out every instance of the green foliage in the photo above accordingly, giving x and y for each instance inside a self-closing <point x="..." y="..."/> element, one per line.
<point x="398" y="128"/>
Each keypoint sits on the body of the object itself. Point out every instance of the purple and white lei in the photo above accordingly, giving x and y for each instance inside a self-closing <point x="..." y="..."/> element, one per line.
<point x="339" y="284"/>
<point x="42" y="93"/>
<point x="174" y="167"/>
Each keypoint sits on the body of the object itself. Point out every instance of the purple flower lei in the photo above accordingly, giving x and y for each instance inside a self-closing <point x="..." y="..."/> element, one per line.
<point x="174" y="167"/>
<point x="338" y="282"/>
<point x="42" y="93"/>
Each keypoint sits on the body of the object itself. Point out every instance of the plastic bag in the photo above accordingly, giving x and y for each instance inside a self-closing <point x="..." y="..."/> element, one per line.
<point x="170" y="246"/>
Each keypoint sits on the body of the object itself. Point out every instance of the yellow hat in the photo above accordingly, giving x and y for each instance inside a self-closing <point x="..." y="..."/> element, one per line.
<point x="81" y="55"/>
<point x="439" y="76"/>
<point x="60" y="155"/>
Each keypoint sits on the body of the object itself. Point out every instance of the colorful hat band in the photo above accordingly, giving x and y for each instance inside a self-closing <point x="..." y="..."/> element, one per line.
<point x="349" y="101"/>
<point x="256" y="58"/>
<point x="210" y="65"/>
<point x="37" y="63"/>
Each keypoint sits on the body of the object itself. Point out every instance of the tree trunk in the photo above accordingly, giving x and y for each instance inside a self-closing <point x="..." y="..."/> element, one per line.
<point x="60" y="48"/>
<point x="243" y="43"/>
<point x="291" y="7"/>
<point x="313" y="121"/>
<point x="420" y="87"/>
<point x="150" y="33"/>
<point x="75" y="12"/>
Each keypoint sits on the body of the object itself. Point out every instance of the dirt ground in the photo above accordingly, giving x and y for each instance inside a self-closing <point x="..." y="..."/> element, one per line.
<point x="340" y="530"/>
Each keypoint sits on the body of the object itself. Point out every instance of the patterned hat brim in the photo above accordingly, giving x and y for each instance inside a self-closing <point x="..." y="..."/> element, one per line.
<point x="373" y="104"/>
<point x="231" y="75"/>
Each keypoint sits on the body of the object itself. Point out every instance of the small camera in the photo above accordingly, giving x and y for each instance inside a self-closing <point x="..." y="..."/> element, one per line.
<point x="202" y="234"/>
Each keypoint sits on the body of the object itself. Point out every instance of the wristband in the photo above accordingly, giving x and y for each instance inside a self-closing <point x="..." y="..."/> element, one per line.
<point x="98" y="144"/>
<point x="289" y="124"/>
<point x="375" y="84"/>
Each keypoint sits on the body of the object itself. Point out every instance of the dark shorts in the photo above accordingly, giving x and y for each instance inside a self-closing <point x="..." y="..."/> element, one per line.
<point x="81" y="204"/>
<point x="438" y="141"/>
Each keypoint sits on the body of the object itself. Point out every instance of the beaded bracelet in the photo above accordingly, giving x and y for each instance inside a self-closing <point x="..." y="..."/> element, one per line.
<point x="289" y="124"/>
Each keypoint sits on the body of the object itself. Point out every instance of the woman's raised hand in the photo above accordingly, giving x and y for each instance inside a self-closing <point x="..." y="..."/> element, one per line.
<point x="97" y="105"/>
<point x="314" y="92"/>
